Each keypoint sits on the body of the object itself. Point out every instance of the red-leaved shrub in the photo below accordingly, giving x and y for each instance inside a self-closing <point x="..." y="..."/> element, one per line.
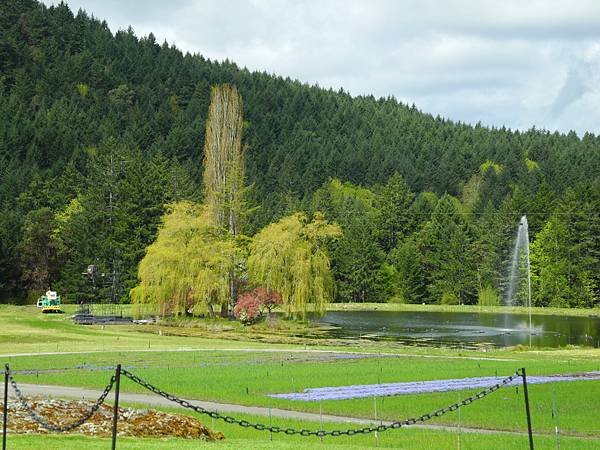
<point x="250" y="306"/>
<point x="268" y="299"/>
<point x="247" y="309"/>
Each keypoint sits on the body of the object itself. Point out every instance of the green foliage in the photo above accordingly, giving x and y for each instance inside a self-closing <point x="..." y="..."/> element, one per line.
<point x="39" y="252"/>
<point x="490" y="165"/>
<point x="186" y="270"/>
<point x="394" y="220"/>
<point x="115" y="217"/>
<point x="408" y="282"/>
<point x="565" y="255"/>
<point x="83" y="89"/>
<point x="449" y="298"/>
<point x="290" y="257"/>
<point x="73" y="95"/>
<point x="423" y="207"/>
<point x="471" y="191"/>
<point x="488" y="297"/>
<point x="448" y="260"/>
<point x="531" y="165"/>
<point x="494" y="233"/>
<point x="356" y="258"/>
<point x="343" y="201"/>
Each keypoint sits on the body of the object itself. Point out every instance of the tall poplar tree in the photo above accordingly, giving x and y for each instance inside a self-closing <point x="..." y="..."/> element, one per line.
<point x="223" y="175"/>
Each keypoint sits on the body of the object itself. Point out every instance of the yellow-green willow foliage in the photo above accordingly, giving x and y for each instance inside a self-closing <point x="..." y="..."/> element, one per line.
<point x="223" y="175"/>
<point x="187" y="268"/>
<point x="290" y="257"/>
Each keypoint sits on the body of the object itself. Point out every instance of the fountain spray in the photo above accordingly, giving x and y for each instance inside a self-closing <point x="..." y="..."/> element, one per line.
<point x="521" y="244"/>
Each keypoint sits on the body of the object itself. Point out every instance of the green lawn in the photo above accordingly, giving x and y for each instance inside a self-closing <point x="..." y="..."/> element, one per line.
<point x="246" y="378"/>
<point x="217" y="369"/>
<point x="238" y="438"/>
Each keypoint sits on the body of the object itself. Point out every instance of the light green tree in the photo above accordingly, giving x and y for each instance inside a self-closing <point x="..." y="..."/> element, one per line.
<point x="187" y="269"/>
<point x="290" y="257"/>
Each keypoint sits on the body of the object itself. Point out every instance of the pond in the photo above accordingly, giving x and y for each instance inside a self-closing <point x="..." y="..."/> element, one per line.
<point x="467" y="329"/>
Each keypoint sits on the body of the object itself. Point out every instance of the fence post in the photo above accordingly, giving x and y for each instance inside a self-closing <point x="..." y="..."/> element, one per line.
<point x="5" y="415"/>
<point x="527" y="408"/>
<point x="116" y="406"/>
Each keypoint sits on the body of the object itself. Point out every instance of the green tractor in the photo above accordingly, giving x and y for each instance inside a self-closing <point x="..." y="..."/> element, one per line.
<point x="49" y="302"/>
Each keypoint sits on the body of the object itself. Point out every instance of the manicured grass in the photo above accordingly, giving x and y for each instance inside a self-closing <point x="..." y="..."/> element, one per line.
<point x="238" y="438"/>
<point x="217" y="371"/>
<point x="24" y="329"/>
<point x="247" y="378"/>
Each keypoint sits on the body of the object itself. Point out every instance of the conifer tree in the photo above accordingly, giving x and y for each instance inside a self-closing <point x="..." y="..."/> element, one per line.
<point x="448" y="260"/>
<point x="394" y="220"/>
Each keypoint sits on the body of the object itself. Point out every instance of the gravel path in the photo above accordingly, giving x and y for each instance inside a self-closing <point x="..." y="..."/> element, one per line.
<point x="155" y="401"/>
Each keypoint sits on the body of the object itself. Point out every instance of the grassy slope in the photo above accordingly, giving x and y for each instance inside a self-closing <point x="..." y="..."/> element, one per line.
<point x="245" y="378"/>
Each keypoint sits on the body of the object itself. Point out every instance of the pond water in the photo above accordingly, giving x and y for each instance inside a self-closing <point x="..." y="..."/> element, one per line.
<point x="464" y="329"/>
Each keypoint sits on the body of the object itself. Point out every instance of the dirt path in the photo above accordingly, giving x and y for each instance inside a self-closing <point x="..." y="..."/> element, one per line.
<point x="154" y="401"/>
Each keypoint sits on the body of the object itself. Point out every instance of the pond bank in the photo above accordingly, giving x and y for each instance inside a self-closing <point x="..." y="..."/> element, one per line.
<point x="578" y="312"/>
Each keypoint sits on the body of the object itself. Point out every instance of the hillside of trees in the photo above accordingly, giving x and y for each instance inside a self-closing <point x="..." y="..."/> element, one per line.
<point x="100" y="130"/>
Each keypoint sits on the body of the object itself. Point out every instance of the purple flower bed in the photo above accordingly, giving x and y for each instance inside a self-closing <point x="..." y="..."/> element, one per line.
<point x="418" y="387"/>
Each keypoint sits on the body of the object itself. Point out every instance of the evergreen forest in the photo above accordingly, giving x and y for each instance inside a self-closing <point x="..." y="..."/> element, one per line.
<point x="100" y="131"/>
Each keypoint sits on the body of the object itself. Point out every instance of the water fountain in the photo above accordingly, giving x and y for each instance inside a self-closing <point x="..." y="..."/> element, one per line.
<point x="520" y="250"/>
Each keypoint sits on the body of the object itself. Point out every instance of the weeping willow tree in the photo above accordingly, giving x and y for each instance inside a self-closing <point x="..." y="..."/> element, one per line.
<point x="187" y="269"/>
<point x="290" y="257"/>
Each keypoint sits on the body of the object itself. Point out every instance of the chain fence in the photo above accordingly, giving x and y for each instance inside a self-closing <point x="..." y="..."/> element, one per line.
<point x="233" y="420"/>
<point x="320" y="433"/>
<point x="56" y="428"/>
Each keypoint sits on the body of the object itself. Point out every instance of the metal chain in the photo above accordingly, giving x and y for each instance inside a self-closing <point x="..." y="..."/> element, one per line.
<point x="321" y="433"/>
<point x="60" y="429"/>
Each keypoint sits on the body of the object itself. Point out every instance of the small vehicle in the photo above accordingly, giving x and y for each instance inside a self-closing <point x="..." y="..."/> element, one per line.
<point x="50" y="303"/>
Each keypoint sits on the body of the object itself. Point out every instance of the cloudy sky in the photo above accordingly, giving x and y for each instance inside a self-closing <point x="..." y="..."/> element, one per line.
<point x="517" y="63"/>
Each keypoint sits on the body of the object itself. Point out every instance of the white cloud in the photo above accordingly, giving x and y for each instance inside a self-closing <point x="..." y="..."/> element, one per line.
<point x="513" y="63"/>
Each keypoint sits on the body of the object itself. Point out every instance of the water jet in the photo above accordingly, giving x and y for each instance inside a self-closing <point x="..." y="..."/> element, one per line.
<point x="520" y="253"/>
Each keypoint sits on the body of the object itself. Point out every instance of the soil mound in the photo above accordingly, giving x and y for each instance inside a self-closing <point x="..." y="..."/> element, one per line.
<point x="132" y="422"/>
